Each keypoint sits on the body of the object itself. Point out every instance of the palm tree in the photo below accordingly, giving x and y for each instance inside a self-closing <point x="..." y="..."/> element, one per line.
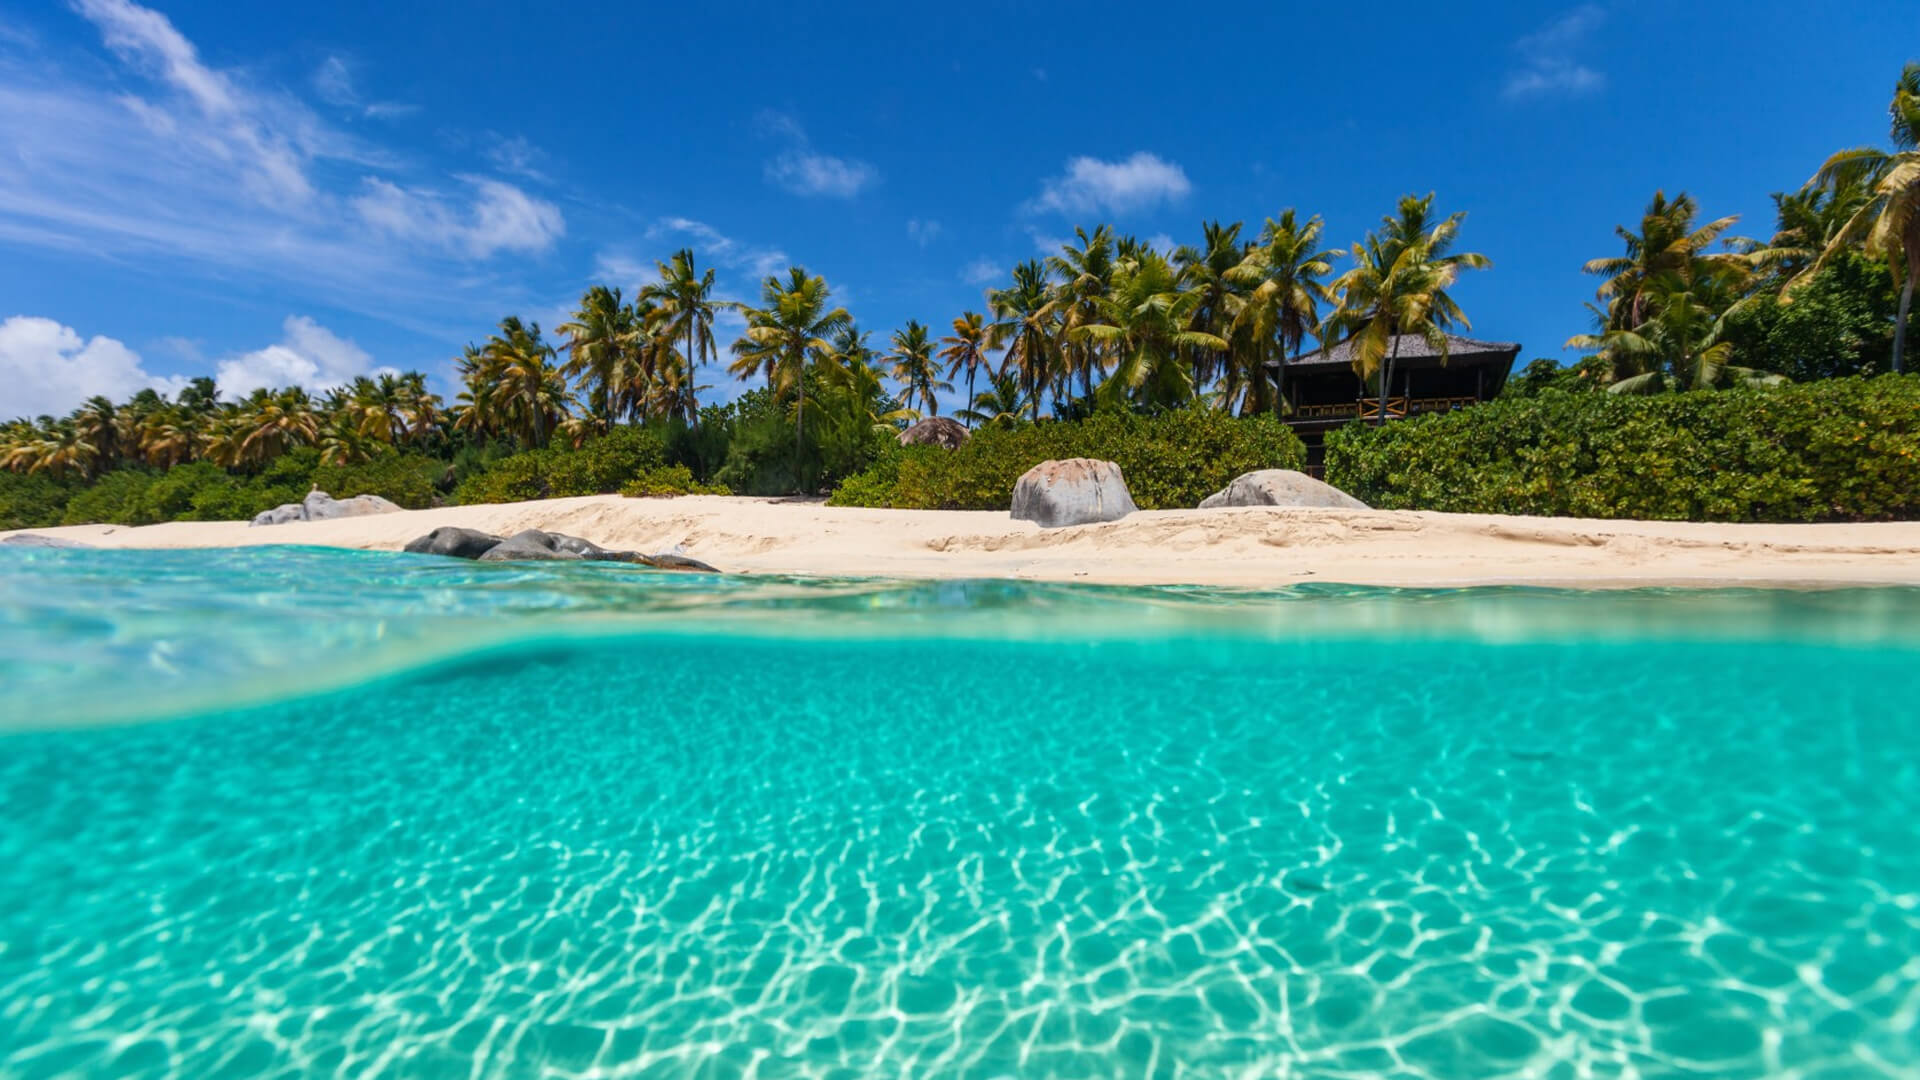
<point x="531" y="391"/>
<point x="600" y="342"/>
<point x="272" y="422"/>
<point x="1283" y="270"/>
<point x="1001" y="405"/>
<point x="101" y="425"/>
<point x="685" y="313"/>
<point x="1144" y="324"/>
<point x="1026" y="312"/>
<point x="1889" y="219"/>
<point x="1680" y="344"/>
<point x="1086" y="276"/>
<point x="966" y="349"/>
<point x="1667" y="243"/>
<point x="913" y="365"/>
<point x="1398" y="286"/>
<point x="1208" y="272"/>
<point x="786" y="333"/>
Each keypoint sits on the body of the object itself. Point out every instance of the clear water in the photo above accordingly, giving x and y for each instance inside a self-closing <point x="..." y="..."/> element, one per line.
<point x="302" y="813"/>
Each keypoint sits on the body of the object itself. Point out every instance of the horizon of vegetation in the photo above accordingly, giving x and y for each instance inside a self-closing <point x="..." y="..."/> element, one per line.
<point x="1109" y="323"/>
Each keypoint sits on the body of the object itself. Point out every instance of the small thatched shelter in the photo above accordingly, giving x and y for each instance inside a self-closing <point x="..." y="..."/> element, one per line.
<point x="942" y="431"/>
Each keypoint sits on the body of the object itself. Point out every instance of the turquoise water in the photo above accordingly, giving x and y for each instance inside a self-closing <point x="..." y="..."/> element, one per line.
<point x="302" y="813"/>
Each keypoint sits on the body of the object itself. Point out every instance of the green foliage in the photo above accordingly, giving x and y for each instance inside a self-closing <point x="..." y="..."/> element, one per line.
<point x="1840" y="449"/>
<point x="600" y="466"/>
<point x="839" y="439"/>
<point x="407" y="479"/>
<point x="668" y="480"/>
<point x="1543" y="376"/>
<point x="1839" y="323"/>
<point x="32" y="500"/>
<point x="1171" y="460"/>
<point x="116" y="498"/>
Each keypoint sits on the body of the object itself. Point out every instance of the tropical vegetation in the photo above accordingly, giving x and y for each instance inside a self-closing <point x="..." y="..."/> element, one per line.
<point x="1080" y="350"/>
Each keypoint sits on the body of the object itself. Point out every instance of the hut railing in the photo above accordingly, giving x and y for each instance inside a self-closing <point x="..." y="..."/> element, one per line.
<point x="1369" y="408"/>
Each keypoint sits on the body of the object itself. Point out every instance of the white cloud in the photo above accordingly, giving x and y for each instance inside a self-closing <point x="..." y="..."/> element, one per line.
<point x="922" y="232"/>
<point x="1162" y="243"/>
<point x="46" y="368"/>
<point x="334" y="83"/>
<point x="309" y="356"/>
<point x="805" y="171"/>
<point x="516" y="155"/>
<point x="980" y="271"/>
<point x="1550" y="61"/>
<point x="501" y="217"/>
<point x="168" y="163"/>
<point x="1090" y="185"/>
<point x="752" y="260"/>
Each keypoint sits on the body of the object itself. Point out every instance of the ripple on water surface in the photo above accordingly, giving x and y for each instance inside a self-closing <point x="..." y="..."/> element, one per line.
<point x="1199" y="854"/>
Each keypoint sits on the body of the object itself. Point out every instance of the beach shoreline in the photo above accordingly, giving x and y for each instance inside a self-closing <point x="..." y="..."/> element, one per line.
<point x="1244" y="547"/>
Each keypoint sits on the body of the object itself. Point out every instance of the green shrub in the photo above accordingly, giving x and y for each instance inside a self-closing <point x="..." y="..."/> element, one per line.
<point x="33" y="500"/>
<point x="116" y="498"/>
<point x="174" y="494"/>
<point x="1839" y="449"/>
<point x="407" y="479"/>
<point x="668" y="480"/>
<point x="600" y="466"/>
<point x="1171" y="460"/>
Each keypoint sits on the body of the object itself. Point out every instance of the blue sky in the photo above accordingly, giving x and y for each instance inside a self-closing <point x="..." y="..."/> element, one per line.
<point x="280" y="193"/>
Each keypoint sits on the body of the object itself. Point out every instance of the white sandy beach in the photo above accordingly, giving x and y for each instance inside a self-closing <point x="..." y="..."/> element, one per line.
<point x="1245" y="547"/>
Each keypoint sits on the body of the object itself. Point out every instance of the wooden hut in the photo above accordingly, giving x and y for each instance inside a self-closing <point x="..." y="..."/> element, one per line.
<point x="1319" y="391"/>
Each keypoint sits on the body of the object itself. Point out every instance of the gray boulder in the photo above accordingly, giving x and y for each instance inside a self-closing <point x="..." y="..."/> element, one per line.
<point x="35" y="540"/>
<point x="533" y="545"/>
<point x="1281" y="487"/>
<point x="942" y="431"/>
<point x="677" y="562"/>
<point x="451" y="540"/>
<point x="1077" y="491"/>
<point x="281" y="514"/>
<point x="321" y="506"/>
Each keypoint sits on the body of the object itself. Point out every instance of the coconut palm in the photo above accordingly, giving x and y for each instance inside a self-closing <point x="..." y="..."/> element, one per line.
<point x="1889" y="220"/>
<point x="1680" y="345"/>
<point x="966" y="349"/>
<point x="1086" y="276"/>
<point x="1207" y="271"/>
<point x="1283" y="270"/>
<point x="1399" y="286"/>
<point x="600" y="342"/>
<point x="1668" y="243"/>
<point x="788" y="332"/>
<point x="913" y="366"/>
<point x="1000" y="405"/>
<point x="100" y="424"/>
<point x="271" y="422"/>
<point x="1026" y="313"/>
<point x="1143" y="325"/>
<point x="686" y="307"/>
<point x="531" y="393"/>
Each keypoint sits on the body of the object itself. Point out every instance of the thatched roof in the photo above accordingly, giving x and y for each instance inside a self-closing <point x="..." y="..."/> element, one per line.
<point x="1412" y="347"/>
<point x="940" y="431"/>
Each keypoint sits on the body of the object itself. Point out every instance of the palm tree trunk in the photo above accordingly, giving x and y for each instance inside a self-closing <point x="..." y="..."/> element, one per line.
<point x="1906" y="309"/>
<point x="1386" y="380"/>
<point x="693" y="400"/>
<point x="799" y="421"/>
<point x="971" y="368"/>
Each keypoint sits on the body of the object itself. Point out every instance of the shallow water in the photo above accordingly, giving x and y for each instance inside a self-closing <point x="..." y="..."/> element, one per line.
<point x="318" y="813"/>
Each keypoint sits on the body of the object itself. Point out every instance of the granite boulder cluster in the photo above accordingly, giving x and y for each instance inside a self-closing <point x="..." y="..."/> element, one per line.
<point x="535" y="545"/>
<point x="320" y="506"/>
<point x="1084" y="491"/>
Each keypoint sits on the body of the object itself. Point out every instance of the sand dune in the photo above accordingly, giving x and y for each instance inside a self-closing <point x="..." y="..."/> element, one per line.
<point x="1254" y="546"/>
